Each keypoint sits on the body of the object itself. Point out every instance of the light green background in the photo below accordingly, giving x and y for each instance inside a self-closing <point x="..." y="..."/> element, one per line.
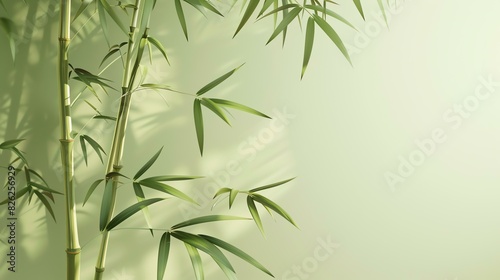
<point x="348" y="127"/>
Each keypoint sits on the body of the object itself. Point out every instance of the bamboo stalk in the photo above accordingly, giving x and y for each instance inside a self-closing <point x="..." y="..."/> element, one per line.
<point x="118" y="142"/>
<point x="72" y="243"/>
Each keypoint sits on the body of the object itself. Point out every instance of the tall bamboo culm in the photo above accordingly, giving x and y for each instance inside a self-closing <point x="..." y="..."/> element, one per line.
<point x="115" y="156"/>
<point x="72" y="243"/>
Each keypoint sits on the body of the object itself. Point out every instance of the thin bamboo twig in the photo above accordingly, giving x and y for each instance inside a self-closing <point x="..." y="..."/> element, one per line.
<point x="72" y="243"/>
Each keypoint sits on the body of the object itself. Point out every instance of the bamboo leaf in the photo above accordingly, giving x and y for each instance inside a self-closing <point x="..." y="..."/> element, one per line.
<point x="271" y="185"/>
<point x="309" y="41"/>
<point x="359" y="7"/>
<point x="222" y="191"/>
<point x="166" y="189"/>
<point x="84" y="149"/>
<point x="238" y="106"/>
<point x="232" y="196"/>
<point x="91" y="190"/>
<point x="107" y="198"/>
<point x="140" y="52"/>
<point x="19" y="194"/>
<point x="172" y="178"/>
<point x="281" y="8"/>
<point x="266" y="6"/>
<point x="83" y="7"/>
<point x="202" y="244"/>
<point x="198" y="123"/>
<point x="333" y="36"/>
<point x="148" y="164"/>
<point x="97" y="148"/>
<point x="46" y="203"/>
<point x="139" y="194"/>
<point x="163" y="251"/>
<point x="252" y="5"/>
<point x="103" y="117"/>
<point x="330" y="13"/>
<point x="19" y="154"/>
<point x="206" y="219"/>
<point x="10" y="143"/>
<point x="284" y="23"/>
<point x="382" y="8"/>
<point x="38" y="175"/>
<point x="113" y="15"/>
<point x="128" y="212"/>
<point x="159" y="46"/>
<point x="236" y="251"/>
<point x="217" y="81"/>
<point x="156" y="86"/>
<point x="182" y="18"/>
<point x="42" y="187"/>
<point x="275" y="207"/>
<point x="209" y="7"/>
<point x="112" y="50"/>
<point x="215" y="108"/>
<point x="194" y="255"/>
<point x="8" y="26"/>
<point x="255" y="214"/>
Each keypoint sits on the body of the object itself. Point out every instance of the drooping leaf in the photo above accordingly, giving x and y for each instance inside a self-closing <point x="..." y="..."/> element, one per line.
<point x="163" y="252"/>
<point x="275" y="207"/>
<point x="82" y="8"/>
<point x="166" y="189"/>
<point x="156" y="86"/>
<point x="284" y="23"/>
<point x="217" y="81"/>
<point x="182" y="18"/>
<point x="19" y="154"/>
<point x="148" y="164"/>
<point x="333" y="36"/>
<point x="271" y="185"/>
<point x="194" y="255"/>
<point x="159" y="46"/>
<point x="172" y="178"/>
<point x="255" y="214"/>
<point x="19" y="194"/>
<point x="10" y="143"/>
<point x="252" y="5"/>
<point x="84" y="149"/>
<point x="42" y="187"/>
<point x="113" y="15"/>
<point x="236" y="251"/>
<point x="359" y="7"/>
<point x="215" y="108"/>
<point x="202" y="244"/>
<point x="103" y="117"/>
<point x="266" y="6"/>
<point x="139" y="194"/>
<point x="238" y="106"/>
<point x="8" y="26"/>
<point x="114" y="49"/>
<point x="137" y="63"/>
<point x="222" y="191"/>
<point x="382" y="8"/>
<point x="232" y="196"/>
<point x="309" y="41"/>
<point x="46" y="203"/>
<point x="206" y="219"/>
<point x="209" y="7"/>
<point x="129" y="211"/>
<point x="280" y="8"/>
<point x="91" y="190"/>
<point x="107" y="198"/>
<point x="198" y="123"/>
<point x="38" y="176"/>
<point x="97" y="148"/>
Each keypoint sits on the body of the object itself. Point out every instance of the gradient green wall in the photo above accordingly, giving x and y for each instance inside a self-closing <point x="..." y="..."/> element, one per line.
<point x="397" y="158"/>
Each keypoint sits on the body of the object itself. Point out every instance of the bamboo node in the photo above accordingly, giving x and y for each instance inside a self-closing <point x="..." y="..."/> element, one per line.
<point x="64" y="39"/>
<point x="74" y="251"/>
<point x="71" y="140"/>
<point x="100" y="269"/>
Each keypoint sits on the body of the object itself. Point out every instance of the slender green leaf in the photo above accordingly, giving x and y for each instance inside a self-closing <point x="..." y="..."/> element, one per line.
<point x="127" y="213"/>
<point x="194" y="255"/>
<point x="83" y="7"/>
<point x="309" y="41"/>
<point x="246" y="16"/>
<point x="281" y="8"/>
<point x="137" y="63"/>
<point x="148" y="164"/>
<point x="159" y="46"/>
<point x="266" y="6"/>
<point x="112" y="50"/>
<point x="103" y="117"/>
<point x="382" y="8"/>
<point x="330" y="13"/>
<point x="359" y="7"/>
<point x="198" y="123"/>
<point x="182" y="18"/>
<point x="103" y="21"/>
<point x="236" y="251"/>
<point x="238" y="106"/>
<point x="166" y="189"/>
<point x="163" y="251"/>
<point x="19" y="194"/>
<point x="139" y="194"/>
<point x="215" y="108"/>
<point x="255" y="214"/>
<point x="84" y="149"/>
<point x="232" y="197"/>
<point x="172" y="178"/>
<point x="209" y="7"/>
<point x="205" y="246"/>
<point x="271" y="185"/>
<point x="91" y="190"/>
<point x="113" y="15"/>
<point x="8" y="26"/>
<point x="10" y="143"/>
<point x="42" y="187"/>
<point x="156" y="86"/>
<point x="333" y="36"/>
<point x="45" y="202"/>
<point x="222" y="191"/>
<point x="107" y="198"/>
<point x="19" y="154"/>
<point x="284" y="23"/>
<point x="38" y="176"/>
<point x="97" y="148"/>
<point x="206" y="219"/>
<point x="217" y="81"/>
<point x="275" y="207"/>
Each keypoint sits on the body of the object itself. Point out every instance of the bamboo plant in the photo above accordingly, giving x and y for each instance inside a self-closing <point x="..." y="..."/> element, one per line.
<point x="137" y="41"/>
